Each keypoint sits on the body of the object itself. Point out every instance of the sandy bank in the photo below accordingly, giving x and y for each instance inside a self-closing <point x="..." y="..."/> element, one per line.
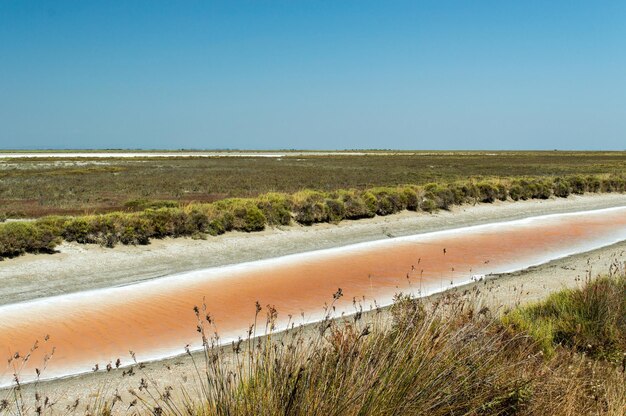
<point x="82" y="267"/>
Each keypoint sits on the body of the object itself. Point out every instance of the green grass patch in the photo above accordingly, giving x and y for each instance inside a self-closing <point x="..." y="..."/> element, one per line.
<point x="590" y="320"/>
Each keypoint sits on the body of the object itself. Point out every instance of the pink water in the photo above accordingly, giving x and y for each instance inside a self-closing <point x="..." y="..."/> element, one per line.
<point x="155" y="319"/>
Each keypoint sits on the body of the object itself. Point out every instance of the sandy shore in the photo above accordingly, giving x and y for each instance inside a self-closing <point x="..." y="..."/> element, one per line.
<point x="79" y="267"/>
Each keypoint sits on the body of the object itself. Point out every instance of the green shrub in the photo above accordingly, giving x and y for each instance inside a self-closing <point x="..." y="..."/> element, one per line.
<point x="540" y="189"/>
<point x="104" y="229"/>
<point x="197" y="219"/>
<point x="370" y="202"/>
<point x="463" y="193"/>
<point x="167" y="222"/>
<point x="593" y="184"/>
<point x="310" y="207"/>
<point x="134" y="229"/>
<point x="46" y="238"/>
<point x="77" y="229"/>
<point x="389" y="200"/>
<point x="411" y="197"/>
<point x="487" y="192"/>
<point x="518" y="192"/>
<point x="590" y="320"/>
<point x="561" y="188"/>
<point x="613" y="184"/>
<point x="215" y="227"/>
<point x="578" y="185"/>
<point x="252" y="217"/>
<point x="354" y="205"/>
<point x="225" y="218"/>
<point x="276" y="207"/>
<point x="428" y="205"/>
<point x="336" y="209"/>
<point x="503" y="193"/>
<point x="442" y="196"/>
<point x="530" y="189"/>
<point x="55" y="223"/>
<point x="17" y="238"/>
<point x="245" y="215"/>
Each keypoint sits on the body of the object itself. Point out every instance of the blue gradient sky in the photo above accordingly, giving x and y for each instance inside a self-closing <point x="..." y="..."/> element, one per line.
<point x="313" y="74"/>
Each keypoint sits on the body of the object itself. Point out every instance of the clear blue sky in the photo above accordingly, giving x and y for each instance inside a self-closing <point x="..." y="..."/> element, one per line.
<point x="313" y="74"/>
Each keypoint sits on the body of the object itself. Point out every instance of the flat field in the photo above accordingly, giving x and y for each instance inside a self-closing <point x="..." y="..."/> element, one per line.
<point x="76" y="183"/>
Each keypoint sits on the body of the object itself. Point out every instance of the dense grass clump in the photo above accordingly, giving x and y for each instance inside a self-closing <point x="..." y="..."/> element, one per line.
<point x="310" y="207"/>
<point x="276" y="207"/>
<point x="357" y="204"/>
<point x="591" y="320"/>
<point x="392" y="200"/>
<point x="145" y="220"/>
<point x="240" y="215"/>
<point x="17" y="238"/>
<point x="488" y="192"/>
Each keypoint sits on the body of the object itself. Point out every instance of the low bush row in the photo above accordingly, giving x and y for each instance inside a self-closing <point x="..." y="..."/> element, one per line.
<point x="305" y="207"/>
